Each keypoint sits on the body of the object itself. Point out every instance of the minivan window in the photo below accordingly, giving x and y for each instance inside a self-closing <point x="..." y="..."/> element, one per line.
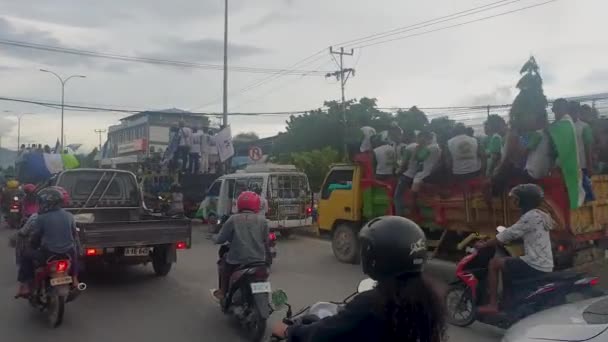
<point x="288" y="186"/>
<point x="344" y="177"/>
<point x="214" y="190"/>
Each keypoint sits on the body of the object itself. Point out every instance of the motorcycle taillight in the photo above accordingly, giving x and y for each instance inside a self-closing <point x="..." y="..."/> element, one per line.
<point x="58" y="266"/>
<point x="261" y="273"/>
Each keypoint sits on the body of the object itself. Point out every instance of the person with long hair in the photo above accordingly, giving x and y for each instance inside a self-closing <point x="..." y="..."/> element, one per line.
<point x="404" y="306"/>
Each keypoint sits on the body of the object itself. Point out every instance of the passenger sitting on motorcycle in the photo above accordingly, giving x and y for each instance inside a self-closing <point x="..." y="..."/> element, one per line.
<point x="53" y="233"/>
<point x="533" y="227"/>
<point x="247" y="233"/>
<point x="404" y="305"/>
<point x="30" y="203"/>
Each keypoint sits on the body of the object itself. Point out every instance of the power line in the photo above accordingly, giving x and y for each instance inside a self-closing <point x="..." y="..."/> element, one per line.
<point x="429" y="22"/>
<point x="156" y="61"/>
<point x="456" y="25"/>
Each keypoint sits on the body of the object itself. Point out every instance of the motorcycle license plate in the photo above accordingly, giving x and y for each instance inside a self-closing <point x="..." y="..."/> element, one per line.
<point x="14" y="210"/>
<point x="260" y="287"/>
<point x="61" y="281"/>
<point x="137" y="251"/>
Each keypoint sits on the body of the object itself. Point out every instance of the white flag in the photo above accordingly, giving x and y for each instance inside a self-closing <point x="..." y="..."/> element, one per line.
<point x="223" y="141"/>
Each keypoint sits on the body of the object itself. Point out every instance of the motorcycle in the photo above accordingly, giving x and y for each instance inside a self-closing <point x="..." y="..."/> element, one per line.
<point x="519" y="298"/>
<point x="14" y="215"/>
<point x="52" y="288"/>
<point x="247" y="298"/>
<point x="315" y="312"/>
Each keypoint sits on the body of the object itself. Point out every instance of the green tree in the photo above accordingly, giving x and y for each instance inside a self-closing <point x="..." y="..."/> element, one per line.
<point x="530" y="104"/>
<point x="412" y="119"/>
<point x="315" y="164"/>
<point x="245" y="137"/>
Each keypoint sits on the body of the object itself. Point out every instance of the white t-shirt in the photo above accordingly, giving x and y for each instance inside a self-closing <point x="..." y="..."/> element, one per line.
<point x="185" y="136"/>
<point x="533" y="227"/>
<point x="538" y="163"/>
<point x="385" y="159"/>
<point x="197" y="142"/>
<point x="580" y="126"/>
<point x="465" y="156"/>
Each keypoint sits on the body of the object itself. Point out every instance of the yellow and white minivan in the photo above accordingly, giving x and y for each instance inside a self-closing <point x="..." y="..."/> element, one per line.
<point x="285" y="189"/>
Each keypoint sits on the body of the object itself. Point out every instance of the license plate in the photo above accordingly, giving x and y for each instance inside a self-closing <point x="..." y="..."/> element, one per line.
<point x="291" y="210"/>
<point x="61" y="281"/>
<point x="137" y="251"/>
<point x="14" y="210"/>
<point x="260" y="287"/>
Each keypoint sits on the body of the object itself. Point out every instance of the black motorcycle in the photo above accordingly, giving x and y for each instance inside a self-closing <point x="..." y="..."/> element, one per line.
<point x="248" y="296"/>
<point x="315" y="312"/>
<point x="520" y="298"/>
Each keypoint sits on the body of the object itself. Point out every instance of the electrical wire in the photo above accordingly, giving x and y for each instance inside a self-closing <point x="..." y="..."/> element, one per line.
<point x="157" y="61"/>
<point x="456" y="25"/>
<point x="426" y="23"/>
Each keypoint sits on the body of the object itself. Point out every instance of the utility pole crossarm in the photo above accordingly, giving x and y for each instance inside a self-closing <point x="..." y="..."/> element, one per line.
<point x="342" y="75"/>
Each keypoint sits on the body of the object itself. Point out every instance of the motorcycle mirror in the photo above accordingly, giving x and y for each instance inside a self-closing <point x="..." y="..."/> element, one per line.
<point x="366" y="285"/>
<point x="279" y="299"/>
<point x="501" y="229"/>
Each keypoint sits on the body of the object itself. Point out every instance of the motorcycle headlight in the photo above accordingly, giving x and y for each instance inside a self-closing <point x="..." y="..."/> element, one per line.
<point x="15" y="198"/>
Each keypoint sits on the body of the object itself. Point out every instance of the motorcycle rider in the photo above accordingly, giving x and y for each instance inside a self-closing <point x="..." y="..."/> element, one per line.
<point x="53" y="232"/>
<point x="533" y="227"/>
<point x="247" y="233"/>
<point x="403" y="306"/>
<point x="30" y="202"/>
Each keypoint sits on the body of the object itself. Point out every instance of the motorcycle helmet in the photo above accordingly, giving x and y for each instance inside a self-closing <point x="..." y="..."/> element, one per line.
<point x="64" y="195"/>
<point x="248" y="201"/>
<point x="29" y="189"/>
<point x="49" y="199"/>
<point x="12" y="184"/>
<point x="392" y="246"/>
<point x="527" y="196"/>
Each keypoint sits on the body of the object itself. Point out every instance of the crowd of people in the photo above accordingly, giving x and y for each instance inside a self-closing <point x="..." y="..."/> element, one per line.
<point x="189" y="148"/>
<point x="527" y="150"/>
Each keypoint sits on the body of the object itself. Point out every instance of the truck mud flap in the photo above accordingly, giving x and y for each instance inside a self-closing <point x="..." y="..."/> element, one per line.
<point x="263" y="304"/>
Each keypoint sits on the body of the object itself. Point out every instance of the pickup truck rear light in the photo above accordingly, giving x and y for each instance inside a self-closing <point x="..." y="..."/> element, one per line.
<point x="93" y="251"/>
<point x="181" y="245"/>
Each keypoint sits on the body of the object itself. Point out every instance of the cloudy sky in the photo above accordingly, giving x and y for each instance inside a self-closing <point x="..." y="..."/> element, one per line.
<point x="467" y="65"/>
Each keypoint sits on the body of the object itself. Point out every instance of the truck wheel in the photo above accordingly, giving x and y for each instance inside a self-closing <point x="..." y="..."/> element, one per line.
<point x="345" y="244"/>
<point x="285" y="234"/>
<point x="161" y="265"/>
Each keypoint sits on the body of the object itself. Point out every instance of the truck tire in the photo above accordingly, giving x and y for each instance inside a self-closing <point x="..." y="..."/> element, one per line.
<point x="160" y="263"/>
<point x="345" y="244"/>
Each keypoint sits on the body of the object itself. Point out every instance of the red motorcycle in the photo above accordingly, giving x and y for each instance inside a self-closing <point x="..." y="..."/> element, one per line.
<point x="52" y="288"/>
<point x="519" y="298"/>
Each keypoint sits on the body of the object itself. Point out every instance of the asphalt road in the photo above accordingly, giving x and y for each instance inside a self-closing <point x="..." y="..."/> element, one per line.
<point x="131" y="304"/>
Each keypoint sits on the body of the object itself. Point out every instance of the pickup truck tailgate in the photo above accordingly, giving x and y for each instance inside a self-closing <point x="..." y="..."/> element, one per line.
<point x="135" y="233"/>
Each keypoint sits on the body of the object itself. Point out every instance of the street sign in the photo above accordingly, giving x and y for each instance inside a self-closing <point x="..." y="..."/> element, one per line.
<point x="255" y="153"/>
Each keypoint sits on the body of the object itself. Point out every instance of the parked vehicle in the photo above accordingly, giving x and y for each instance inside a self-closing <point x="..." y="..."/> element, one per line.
<point x="248" y="297"/>
<point x="316" y="311"/>
<point x="577" y="322"/>
<point x="52" y="288"/>
<point x="115" y="225"/>
<point x="520" y="298"/>
<point x="285" y="189"/>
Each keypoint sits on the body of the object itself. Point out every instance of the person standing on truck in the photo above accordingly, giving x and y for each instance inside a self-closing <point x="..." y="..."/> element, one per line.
<point x="195" y="151"/>
<point x="584" y="142"/>
<point x="533" y="227"/>
<point x="495" y="128"/>
<point x="185" y="142"/>
<point x="539" y="156"/>
<point x="464" y="154"/>
<point x="53" y="233"/>
<point x="205" y="148"/>
<point x="247" y="232"/>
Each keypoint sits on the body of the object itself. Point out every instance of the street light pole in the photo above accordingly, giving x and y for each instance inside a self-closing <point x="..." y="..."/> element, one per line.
<point x="225" y="97"/>
<point x="63" y="82"/>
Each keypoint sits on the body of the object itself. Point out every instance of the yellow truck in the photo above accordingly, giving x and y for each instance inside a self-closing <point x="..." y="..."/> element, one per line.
<point x="350" y="196"/>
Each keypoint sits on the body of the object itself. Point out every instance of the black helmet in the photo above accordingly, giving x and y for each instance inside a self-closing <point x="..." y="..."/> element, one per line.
<point x="392" y="246"/>
<point x="49" y="199"/>
<point x="529" y="196"/>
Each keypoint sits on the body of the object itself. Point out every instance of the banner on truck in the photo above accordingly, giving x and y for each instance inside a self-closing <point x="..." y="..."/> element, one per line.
<point x="223" y="141"/>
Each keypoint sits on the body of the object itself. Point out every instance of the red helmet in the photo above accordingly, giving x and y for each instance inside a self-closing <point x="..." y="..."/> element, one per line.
<point x="64" y="195"/>
<point x="29" y="188"/>
<point x="248" y="200"/>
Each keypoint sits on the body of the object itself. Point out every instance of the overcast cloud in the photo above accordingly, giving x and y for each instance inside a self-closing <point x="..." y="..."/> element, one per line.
<point x="475" y="64"/>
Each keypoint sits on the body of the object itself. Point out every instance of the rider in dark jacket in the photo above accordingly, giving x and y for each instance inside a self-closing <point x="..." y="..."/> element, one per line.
<point x="403" y="306"/>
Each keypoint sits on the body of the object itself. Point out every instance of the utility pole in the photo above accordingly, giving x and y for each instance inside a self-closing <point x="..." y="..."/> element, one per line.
<point x="342" y="75"/>
<point x="225" y="96"/>
<point x="100" y="132"/>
